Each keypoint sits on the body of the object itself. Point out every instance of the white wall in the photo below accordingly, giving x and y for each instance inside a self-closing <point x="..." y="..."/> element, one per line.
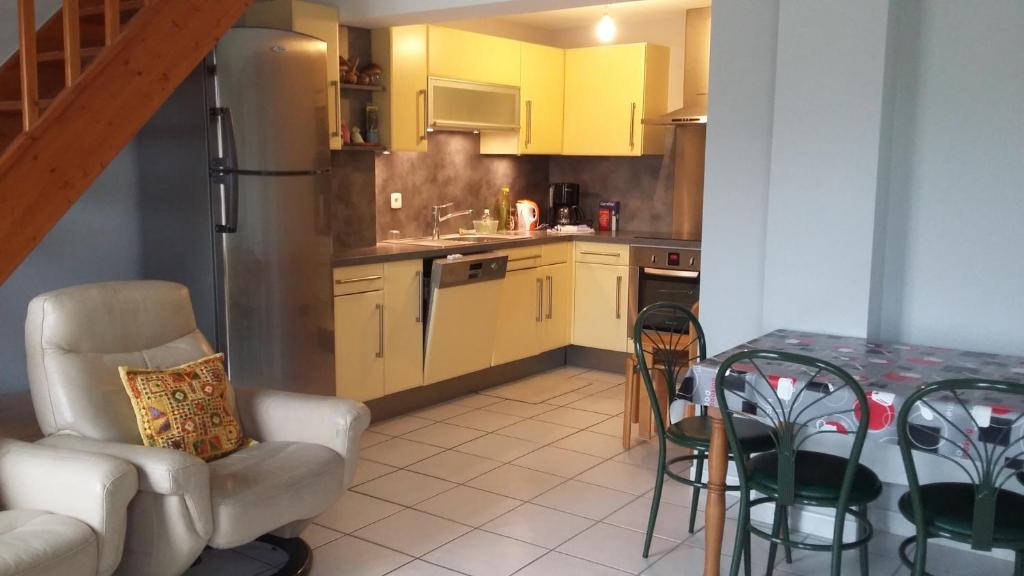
<point x="828" y="101"/>
<point x="893" y="198"/>
<point x="9" y="22"/>
<point x="740" y="101"/>
<point x="954" y="270"/>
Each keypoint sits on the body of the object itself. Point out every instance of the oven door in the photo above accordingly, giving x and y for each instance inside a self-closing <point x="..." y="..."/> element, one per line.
<point x="651" y="285"/>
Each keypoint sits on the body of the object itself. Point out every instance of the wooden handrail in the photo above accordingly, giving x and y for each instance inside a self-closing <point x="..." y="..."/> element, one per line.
<point x="72" y="43"/>
<point x="29" y="70"/>
<point x="45" y="170"/>
<point x="112" y="20"/>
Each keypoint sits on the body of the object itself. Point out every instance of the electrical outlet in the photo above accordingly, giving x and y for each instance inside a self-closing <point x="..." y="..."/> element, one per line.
<point x="396" y="200"/>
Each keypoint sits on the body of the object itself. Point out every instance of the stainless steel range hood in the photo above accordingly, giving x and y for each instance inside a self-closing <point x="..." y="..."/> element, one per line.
<point x="471" y="106"/>
<point x="679" y="117"/>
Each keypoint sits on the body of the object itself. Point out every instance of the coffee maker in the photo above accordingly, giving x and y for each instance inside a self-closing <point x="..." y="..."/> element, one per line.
<point x="564" y="202"/>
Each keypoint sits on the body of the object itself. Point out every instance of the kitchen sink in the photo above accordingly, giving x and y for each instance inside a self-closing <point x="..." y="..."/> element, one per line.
<point x="450" y="240"/>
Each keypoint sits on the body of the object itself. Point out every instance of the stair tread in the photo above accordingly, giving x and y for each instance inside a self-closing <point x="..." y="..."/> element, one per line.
<point x="15" y="105"/>
<point x="58" y="55"/>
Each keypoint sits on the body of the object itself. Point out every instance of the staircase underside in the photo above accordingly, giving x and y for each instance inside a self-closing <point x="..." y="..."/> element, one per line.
<point x="45" y="170"/>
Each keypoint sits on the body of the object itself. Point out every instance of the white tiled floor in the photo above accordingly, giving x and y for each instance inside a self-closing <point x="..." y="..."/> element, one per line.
<point x="528" y="478"/>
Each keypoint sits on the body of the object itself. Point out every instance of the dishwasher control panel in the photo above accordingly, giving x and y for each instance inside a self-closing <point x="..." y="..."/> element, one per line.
<point x="469" y="269"/>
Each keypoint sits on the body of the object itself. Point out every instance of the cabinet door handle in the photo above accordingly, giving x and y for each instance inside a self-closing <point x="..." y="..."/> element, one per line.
<point x="361" y="279"/>
<point x="632" y="120"/>
<point x="529" y="123"/>
<point x="540" y="300"/>
<point x="618" y="297"/>
<point x="423" y="110"/>
<point x="337" y="109"/>
<point x="592" y="253"/>
<point x="530" y="257"/>
<point x="551" y="297"/>
<point x="380" y="330"/>
<point x="419" y="297"/>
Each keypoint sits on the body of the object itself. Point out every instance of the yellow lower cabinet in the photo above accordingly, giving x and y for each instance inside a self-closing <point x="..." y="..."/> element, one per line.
<point x="403" y="325"/>
<point x="557" y="325"/>
<point x="520" y="316"/>
<point x="359" y="345"/>
<point x="599" y="306"/>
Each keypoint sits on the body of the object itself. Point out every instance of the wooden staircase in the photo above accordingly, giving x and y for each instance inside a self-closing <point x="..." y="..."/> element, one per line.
<point x="78" y="90"/>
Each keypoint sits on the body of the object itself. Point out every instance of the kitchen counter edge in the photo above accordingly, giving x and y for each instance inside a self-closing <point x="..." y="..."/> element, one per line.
<point x="385" y="252"/>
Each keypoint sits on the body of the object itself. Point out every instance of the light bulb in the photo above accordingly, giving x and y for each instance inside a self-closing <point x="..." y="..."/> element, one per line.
<point x="606" y="29"/>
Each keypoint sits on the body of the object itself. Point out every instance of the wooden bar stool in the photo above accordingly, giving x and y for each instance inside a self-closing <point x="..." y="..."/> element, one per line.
<point x="637" y="407"/>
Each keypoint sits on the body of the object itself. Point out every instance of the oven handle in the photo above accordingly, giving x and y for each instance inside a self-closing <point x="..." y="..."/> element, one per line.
<point x="671" y="273"/>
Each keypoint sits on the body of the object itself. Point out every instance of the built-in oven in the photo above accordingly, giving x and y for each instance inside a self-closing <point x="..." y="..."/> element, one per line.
<point x="663" y="274"/>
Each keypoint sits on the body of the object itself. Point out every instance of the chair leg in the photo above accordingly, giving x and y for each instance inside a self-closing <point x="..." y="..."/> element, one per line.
<point x="785" y="534"/>
<point x="863" y="549"/>
<point x="742" y="531"/>
<point x="1018" y="564"/>
<point x="746" y="554"/>
<point x="695" y="490"/>
<point x="921" y="556"/>
<point x="837" y="543"/>
<point x="776" y="530"/>
<point x="652" y="519"/>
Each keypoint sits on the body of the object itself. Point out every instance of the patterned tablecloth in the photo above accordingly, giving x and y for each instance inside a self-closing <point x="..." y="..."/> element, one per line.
<point x="889" y="373"/>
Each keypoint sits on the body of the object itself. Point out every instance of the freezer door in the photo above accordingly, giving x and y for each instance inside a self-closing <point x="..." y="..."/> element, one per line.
<point x="275" y="271"/>
<point x="274" y="85"/>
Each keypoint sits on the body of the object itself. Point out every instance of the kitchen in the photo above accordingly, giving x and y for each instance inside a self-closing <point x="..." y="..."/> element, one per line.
<point x="492" y="199"/>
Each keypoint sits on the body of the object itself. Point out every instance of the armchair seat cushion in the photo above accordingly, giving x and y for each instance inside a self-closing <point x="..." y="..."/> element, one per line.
<point x="260" y="488"/>
<point x="34" y="543"/>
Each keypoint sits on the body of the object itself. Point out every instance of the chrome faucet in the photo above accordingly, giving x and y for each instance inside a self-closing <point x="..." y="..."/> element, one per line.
<point x="437" y="218"/>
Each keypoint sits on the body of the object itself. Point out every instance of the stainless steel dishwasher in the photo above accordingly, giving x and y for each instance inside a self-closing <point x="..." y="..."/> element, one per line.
<point x="462" y="314"/>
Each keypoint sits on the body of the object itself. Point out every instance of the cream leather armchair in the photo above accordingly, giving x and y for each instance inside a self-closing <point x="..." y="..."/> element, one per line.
<point x="77" y="337"/>
<point x="62" y="513"/>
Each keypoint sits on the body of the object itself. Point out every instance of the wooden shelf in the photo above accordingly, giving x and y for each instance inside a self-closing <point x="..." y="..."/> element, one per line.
<point x="364" y="87"/>
<point x="363" y="147"/>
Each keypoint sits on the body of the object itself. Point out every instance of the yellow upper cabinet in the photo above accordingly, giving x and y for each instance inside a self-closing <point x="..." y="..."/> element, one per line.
<point x="541" y="99"/>
<point x="319" y="21"/>
<point x="402" y="53"/>
<point x="608" y="90"/>
<point x="462" y="55"/>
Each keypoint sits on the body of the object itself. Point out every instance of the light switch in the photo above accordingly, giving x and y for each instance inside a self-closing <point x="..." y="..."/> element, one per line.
<point x="396" y="200"/>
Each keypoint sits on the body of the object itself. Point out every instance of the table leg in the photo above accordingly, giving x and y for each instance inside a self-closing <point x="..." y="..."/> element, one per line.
<point x="714" y="511"/>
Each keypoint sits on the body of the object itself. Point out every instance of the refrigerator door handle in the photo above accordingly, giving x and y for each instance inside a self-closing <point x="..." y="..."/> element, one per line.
<point x="223" y="171"/>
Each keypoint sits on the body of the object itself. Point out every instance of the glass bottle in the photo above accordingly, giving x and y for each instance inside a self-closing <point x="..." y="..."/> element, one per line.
<point x="504" y="207"/>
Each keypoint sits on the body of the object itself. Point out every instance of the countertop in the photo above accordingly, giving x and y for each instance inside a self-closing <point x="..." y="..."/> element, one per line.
<point x="385" y="252"/>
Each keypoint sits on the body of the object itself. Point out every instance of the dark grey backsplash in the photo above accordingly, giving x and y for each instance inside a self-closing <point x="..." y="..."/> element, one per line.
<point x="643" y="185"/>
<point x="453" y="170"/>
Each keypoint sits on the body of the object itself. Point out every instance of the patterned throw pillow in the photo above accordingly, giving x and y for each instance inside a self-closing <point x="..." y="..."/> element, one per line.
<point x="184" y="408"/>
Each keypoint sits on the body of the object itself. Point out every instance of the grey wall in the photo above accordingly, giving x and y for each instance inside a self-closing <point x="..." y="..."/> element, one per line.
<point x="890" y="190"/>
<point x="99" y="239"/>
<point x="953" y="271"/>
<point x="9" y="22"/>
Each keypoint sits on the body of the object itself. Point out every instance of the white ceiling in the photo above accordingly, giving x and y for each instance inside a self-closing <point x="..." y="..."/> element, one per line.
<point x="636" y="11"/>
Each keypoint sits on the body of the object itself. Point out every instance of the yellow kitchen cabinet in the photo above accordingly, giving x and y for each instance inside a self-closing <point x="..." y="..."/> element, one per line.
<point x="608" y="90"/>
<point x="541" y="99"/>
<point x="403" y="325"/>
<point x="319" y="21"/>
<point x="359" y="345"/>
<point x="402" y="52"/>
<point x="556" y="327"/>
<point x="461" y="55"/>
<point x="599" y="306"/>
<point x="520" y="316"/>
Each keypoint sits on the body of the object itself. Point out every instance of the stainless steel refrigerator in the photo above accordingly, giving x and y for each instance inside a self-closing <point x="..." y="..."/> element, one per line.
<point x="235" y="172"/>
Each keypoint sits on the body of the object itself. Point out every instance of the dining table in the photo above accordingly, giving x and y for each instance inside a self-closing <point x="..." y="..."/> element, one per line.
<point x="888" y="372"/>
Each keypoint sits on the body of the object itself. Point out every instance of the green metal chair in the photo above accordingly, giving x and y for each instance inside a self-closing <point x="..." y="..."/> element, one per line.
<point x="663" y="343"/>
<point x="801" y="398"/>
<point x="938" y="421"/>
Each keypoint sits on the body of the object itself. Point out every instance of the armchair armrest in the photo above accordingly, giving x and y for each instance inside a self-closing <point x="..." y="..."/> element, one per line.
<point x="93" y="488"/>
<point x="274" y="415"/>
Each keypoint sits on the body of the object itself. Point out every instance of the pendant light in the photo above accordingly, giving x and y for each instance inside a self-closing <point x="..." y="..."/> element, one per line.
<point x="605" y="28"/>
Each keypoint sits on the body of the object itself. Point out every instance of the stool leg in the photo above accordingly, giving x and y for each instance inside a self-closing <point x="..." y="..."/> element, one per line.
<point x="695" y="490"/>
<point x="776" y="530"/>
<point x="1018" y="564"/>
<point x="656" y="500"/>
<point x="629" y="403"/>
<point x="863" y="549"/>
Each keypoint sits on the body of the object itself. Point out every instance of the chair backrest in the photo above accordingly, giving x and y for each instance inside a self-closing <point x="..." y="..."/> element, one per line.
<point x="975" y="425"/>
<point x="800" y="398"/>
<point x="75" y="339"/>
<point x="667" y="338"/>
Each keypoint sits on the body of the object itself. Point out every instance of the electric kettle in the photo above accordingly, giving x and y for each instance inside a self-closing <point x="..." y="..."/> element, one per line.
<point x="527" y="215"/>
